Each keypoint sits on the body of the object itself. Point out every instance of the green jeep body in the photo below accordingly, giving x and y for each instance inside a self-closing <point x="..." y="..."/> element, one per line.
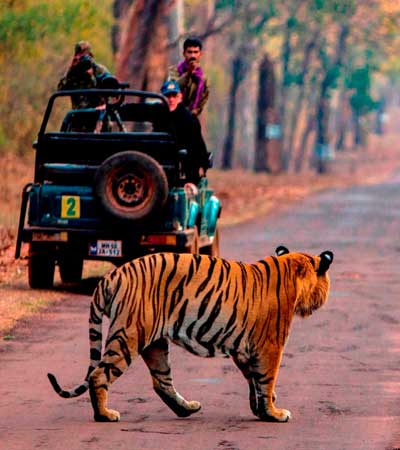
<point x="107" y="187"/>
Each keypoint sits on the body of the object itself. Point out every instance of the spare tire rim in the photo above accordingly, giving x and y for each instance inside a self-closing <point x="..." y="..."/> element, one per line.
<point x="130" y="189"/>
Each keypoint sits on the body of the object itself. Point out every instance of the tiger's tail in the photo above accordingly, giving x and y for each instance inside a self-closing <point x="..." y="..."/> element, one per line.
<point x="97" y="307"/>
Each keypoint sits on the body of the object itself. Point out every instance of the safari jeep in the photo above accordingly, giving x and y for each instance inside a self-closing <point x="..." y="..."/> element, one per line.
<point x="108" y="187"/>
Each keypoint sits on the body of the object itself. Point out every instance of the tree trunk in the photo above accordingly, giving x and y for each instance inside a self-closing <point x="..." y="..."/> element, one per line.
<point x="267" y="157"/>
<point x="175" y="31"/>
<point x="285" y="59"/>
<point x="323" y="151"/>
<point x="303" y="153"/>
<point x="298" y="104"/>
<point x="120" y="12"/>
<point x="358" y="131"/>
<point x="238" y="73"/>
<point x="343" y="118"/>
<point x="139" y="60"/>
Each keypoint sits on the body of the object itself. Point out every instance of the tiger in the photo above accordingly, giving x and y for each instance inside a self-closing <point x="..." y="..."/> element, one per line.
<point x="208" y="305"/>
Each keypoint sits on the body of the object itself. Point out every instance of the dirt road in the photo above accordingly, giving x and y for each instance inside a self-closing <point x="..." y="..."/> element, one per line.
<point x="340" y="375"/>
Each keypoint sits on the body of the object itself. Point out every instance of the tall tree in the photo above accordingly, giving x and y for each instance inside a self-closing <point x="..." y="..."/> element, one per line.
<point x="289" y="33"/>
<point x="120" y="14"/>
<point x="246" y="37"/>
<point x="298" y="98"/>
<point x="267" y="145"/>
<point x="331" y="74"/>
<point x="142" y="59"/>
<point x="239" y="68"/>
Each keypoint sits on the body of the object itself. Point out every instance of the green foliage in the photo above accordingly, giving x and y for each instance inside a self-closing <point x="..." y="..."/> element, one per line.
<point x="344" y="8"/>
<point x="37" y="38"/>
<point x="36" y="44"/>
<point x="226" y="4"/>
<point x="361" y="100"/>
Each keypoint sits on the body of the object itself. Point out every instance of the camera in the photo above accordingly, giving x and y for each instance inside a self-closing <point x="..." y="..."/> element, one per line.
<point x="107" y="81"/>
<point x="84" y="64"/>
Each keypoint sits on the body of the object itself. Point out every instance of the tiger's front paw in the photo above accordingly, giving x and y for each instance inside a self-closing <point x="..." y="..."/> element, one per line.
<point x="109" y="415"/>
<point x="276" y="415"/>
<point x="194" y="406"/>
<point x="188" y="409"/>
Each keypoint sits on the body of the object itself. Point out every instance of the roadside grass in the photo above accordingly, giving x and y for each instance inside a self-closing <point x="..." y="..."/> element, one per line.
<point x="20" y="304"/>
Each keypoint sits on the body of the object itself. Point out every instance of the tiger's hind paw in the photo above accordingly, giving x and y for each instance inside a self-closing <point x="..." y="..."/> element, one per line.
<point x="110" y="415"/>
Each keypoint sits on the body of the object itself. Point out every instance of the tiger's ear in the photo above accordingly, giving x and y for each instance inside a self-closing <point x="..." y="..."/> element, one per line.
<point x="281" y="250"/>
<point x="326" y="261"/>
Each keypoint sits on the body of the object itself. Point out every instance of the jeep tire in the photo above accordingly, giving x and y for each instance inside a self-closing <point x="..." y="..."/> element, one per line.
<point x="40" y="268"/>
<point x="131" y="185"/>
<point x="71" y="268"/>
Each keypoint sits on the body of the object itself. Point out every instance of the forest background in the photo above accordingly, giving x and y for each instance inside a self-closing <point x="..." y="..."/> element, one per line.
<point x="294" y="83"/>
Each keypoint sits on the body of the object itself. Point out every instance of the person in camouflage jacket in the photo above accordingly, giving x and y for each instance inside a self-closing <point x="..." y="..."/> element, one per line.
<point x="191" y="78"/>
<point x="83" y="73"/>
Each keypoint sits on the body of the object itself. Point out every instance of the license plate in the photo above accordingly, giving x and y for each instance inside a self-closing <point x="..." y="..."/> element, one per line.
<point x="106" y="248"/>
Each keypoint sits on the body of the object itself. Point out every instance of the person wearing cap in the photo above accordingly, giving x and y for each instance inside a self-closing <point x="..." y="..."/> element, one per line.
<point x="188" y="133"/>
<point x="190" y="76"/>
<point x="82" y="73"/>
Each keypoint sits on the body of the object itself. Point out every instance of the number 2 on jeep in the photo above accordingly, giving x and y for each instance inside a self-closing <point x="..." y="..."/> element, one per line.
<point x="70" y="207"/>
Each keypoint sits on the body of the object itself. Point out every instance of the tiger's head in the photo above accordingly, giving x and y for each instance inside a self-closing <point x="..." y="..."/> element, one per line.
<point x="311" y="278"/>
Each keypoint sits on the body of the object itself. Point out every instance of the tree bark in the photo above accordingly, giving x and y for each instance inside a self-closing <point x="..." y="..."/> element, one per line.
<point x="285" y="59"/>
<point x="298" y="104"/>
<point x="175" y="31"/>
<point x="267" y="148"/>
<point x="120" y="12"/>
<point x="139" y="60"/>
<point x="343" y="118"/>
<point x="322" y="149"/>
<point x="238" y="73"/>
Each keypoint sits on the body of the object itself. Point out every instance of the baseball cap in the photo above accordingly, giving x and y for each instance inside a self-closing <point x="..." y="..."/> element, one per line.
<point x="170" y="87"/>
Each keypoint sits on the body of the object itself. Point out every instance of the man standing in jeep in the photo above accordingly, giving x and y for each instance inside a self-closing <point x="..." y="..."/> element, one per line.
<point x="83" y="73"/>
<point x="188" y="133"/>
<point x="191" y="78"/>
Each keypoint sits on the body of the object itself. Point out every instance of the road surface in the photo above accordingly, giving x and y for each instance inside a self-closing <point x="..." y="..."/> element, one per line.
<point x="340" y="374"/>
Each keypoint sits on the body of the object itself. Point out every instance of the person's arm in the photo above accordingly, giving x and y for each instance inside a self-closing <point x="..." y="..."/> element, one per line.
<point x="63" y="83"/>
<point x="203" y="99"/>
<point x="201" y="153"/>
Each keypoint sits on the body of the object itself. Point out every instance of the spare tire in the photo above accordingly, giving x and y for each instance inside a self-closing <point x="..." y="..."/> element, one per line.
<point x="131" y="185"/>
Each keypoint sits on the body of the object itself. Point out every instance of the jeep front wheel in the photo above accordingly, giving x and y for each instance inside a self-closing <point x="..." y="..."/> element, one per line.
<point x="131" y="185"/>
